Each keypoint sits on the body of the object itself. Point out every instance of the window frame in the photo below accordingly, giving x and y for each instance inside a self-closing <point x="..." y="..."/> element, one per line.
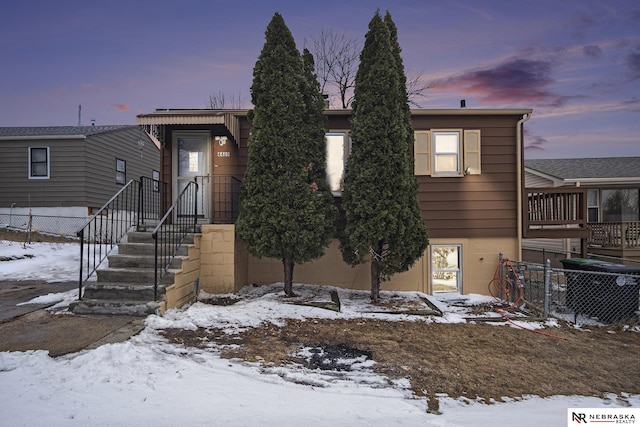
<point x="347" y="144"/>
<point x="433" y="269"/>
<point x="458" y="153"/>
<point x="591" y="207"/>
<point x="468" y="155"/>
<point x="121" y="175"/>
<point x="47" y="163"/>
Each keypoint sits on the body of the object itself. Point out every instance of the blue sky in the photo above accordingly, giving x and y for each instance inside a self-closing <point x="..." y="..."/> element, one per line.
<point x="576" y="63"/>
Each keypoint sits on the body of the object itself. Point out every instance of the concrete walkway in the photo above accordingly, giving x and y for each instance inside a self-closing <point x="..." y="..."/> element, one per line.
<point x="31" y="327"/>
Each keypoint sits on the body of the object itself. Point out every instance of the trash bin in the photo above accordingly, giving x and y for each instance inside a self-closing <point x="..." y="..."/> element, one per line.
<point x="610" y="297"/>
<point x="580" y="286"/>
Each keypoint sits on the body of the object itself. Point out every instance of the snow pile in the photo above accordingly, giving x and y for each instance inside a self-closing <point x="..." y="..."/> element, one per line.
<point x="146" y="381"/>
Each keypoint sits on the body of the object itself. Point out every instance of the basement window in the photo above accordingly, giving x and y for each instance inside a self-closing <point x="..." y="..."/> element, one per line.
<point x="446" y="268"/>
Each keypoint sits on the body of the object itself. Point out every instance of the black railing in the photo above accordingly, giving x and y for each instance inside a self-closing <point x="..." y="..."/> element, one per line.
<point x="226" y="199"/>
<point x="218" y="198"/>
<point x="179" y="220"/>
<point x="152" y="199"/>
<point x="128" y="208"/>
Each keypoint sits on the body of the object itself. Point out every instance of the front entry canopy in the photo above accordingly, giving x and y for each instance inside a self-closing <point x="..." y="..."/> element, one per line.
<point x="228" y="118"/>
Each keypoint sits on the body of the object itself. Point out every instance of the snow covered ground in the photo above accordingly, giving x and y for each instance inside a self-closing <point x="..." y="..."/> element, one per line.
<point x="146" y="381"/>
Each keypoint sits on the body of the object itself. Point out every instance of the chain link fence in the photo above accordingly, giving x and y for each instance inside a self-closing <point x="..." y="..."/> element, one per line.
<point x="28" y="228"/>
<point x="585" y="290"/>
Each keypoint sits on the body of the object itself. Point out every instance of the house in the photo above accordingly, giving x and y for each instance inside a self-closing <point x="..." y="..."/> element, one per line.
<point x="612" y="207"/>
<point x="69" y="171"/>
<point x="469" y="164"/>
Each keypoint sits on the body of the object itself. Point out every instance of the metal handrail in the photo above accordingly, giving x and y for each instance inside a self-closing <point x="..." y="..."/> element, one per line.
<point x="128" y="208"/>
<point x="104" y="230"/>
<point x="179" y="220"/>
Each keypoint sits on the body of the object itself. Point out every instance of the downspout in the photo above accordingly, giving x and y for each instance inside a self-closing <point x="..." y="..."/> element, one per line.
<point x="519" y="155"/>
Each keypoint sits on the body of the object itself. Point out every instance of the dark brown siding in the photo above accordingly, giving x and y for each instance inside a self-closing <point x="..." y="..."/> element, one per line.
<point x="482" y="205"/>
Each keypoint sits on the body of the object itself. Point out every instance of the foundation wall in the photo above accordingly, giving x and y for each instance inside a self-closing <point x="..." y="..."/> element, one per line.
<point x="182" y="290"/>
<point x="479" y="260"/>
<point x="222" y="265"/>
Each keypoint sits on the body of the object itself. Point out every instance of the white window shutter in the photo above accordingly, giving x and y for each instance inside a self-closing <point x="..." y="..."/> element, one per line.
<point x="422" y="152"/>
<point x="472" y="155"/>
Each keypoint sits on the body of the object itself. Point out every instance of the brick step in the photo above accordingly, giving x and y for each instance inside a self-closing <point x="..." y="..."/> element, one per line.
<point x="146" y="237"/>
<point x="139" y="261"/>
<point x="131" y="275"/>
<point x="115" y="307"/>
<point x="141" y="292"/>
<point x="146" y="249"/>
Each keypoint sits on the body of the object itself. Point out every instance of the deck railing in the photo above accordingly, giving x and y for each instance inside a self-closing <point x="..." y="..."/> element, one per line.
<point x="555" y="212"/>
<point x="615" y="234"/>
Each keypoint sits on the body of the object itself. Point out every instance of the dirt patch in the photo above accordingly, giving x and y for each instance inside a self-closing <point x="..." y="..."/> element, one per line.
<point x="475" y="361"/>
<point x="22" y="237"/>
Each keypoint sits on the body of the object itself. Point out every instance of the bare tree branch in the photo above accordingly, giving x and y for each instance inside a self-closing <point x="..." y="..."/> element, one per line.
<point x="220" y="100"/>
<point x="336" y="58"/>
<point x="417" y="89"/>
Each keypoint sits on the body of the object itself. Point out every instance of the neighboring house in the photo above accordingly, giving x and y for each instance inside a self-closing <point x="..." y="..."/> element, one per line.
<point x="612" y="188"/>
<point x="469" y="164"/>
<point x="69" y="171"/>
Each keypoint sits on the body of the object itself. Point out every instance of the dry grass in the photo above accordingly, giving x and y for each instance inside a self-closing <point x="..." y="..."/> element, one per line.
<point x="20" y="236"/>
<point x="476" y="361"/>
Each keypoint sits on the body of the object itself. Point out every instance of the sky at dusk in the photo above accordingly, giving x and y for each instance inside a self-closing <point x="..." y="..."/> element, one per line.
<point x="576" y="63"/>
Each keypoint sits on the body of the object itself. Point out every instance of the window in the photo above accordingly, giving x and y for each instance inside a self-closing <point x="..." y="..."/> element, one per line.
<point x="121" y="171"/>
<point x="447" y="152"/>
<point x="155" y="175"/>
<point x="38" y="162"/>
<point x="592" y="205"/>
<point x="338" y="149"/>
<point x="446" y="270"/>
<point x="620" y="205"/>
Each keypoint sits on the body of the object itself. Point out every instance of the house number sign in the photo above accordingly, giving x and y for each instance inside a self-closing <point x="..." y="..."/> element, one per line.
<point x="224" y="154"/>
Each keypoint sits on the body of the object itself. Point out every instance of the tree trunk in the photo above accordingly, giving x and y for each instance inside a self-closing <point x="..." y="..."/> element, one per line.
<point x="288" y="264"/>
<point x="375" y="282"/>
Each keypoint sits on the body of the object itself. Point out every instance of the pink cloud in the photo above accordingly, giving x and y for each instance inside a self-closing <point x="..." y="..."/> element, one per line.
<point x="122" y="107"/>
<point x="519" y="81"/>
<point x="534" y="142"/>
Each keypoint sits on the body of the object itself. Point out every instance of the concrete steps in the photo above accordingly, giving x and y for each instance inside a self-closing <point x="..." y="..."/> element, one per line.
<point x="126" y="287"/>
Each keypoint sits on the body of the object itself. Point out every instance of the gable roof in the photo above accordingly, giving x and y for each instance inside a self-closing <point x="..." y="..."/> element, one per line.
<point x="56" y="131"/>
<point x="589" y="168"/>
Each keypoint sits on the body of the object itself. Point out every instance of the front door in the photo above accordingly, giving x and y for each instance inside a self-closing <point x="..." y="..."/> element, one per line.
<point x="191" y="149"/>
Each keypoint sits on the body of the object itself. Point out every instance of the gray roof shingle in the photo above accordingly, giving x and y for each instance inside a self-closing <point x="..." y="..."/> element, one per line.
<point x="58" y="130"/>
<point x="602" y="167"/>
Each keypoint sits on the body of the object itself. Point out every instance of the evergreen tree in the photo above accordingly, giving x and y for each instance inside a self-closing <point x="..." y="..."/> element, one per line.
<point x="380" y="190"/>
<point x="285" y="211"/>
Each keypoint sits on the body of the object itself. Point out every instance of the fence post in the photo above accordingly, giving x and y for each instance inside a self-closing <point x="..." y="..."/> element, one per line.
<point x="547" y="287"/>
